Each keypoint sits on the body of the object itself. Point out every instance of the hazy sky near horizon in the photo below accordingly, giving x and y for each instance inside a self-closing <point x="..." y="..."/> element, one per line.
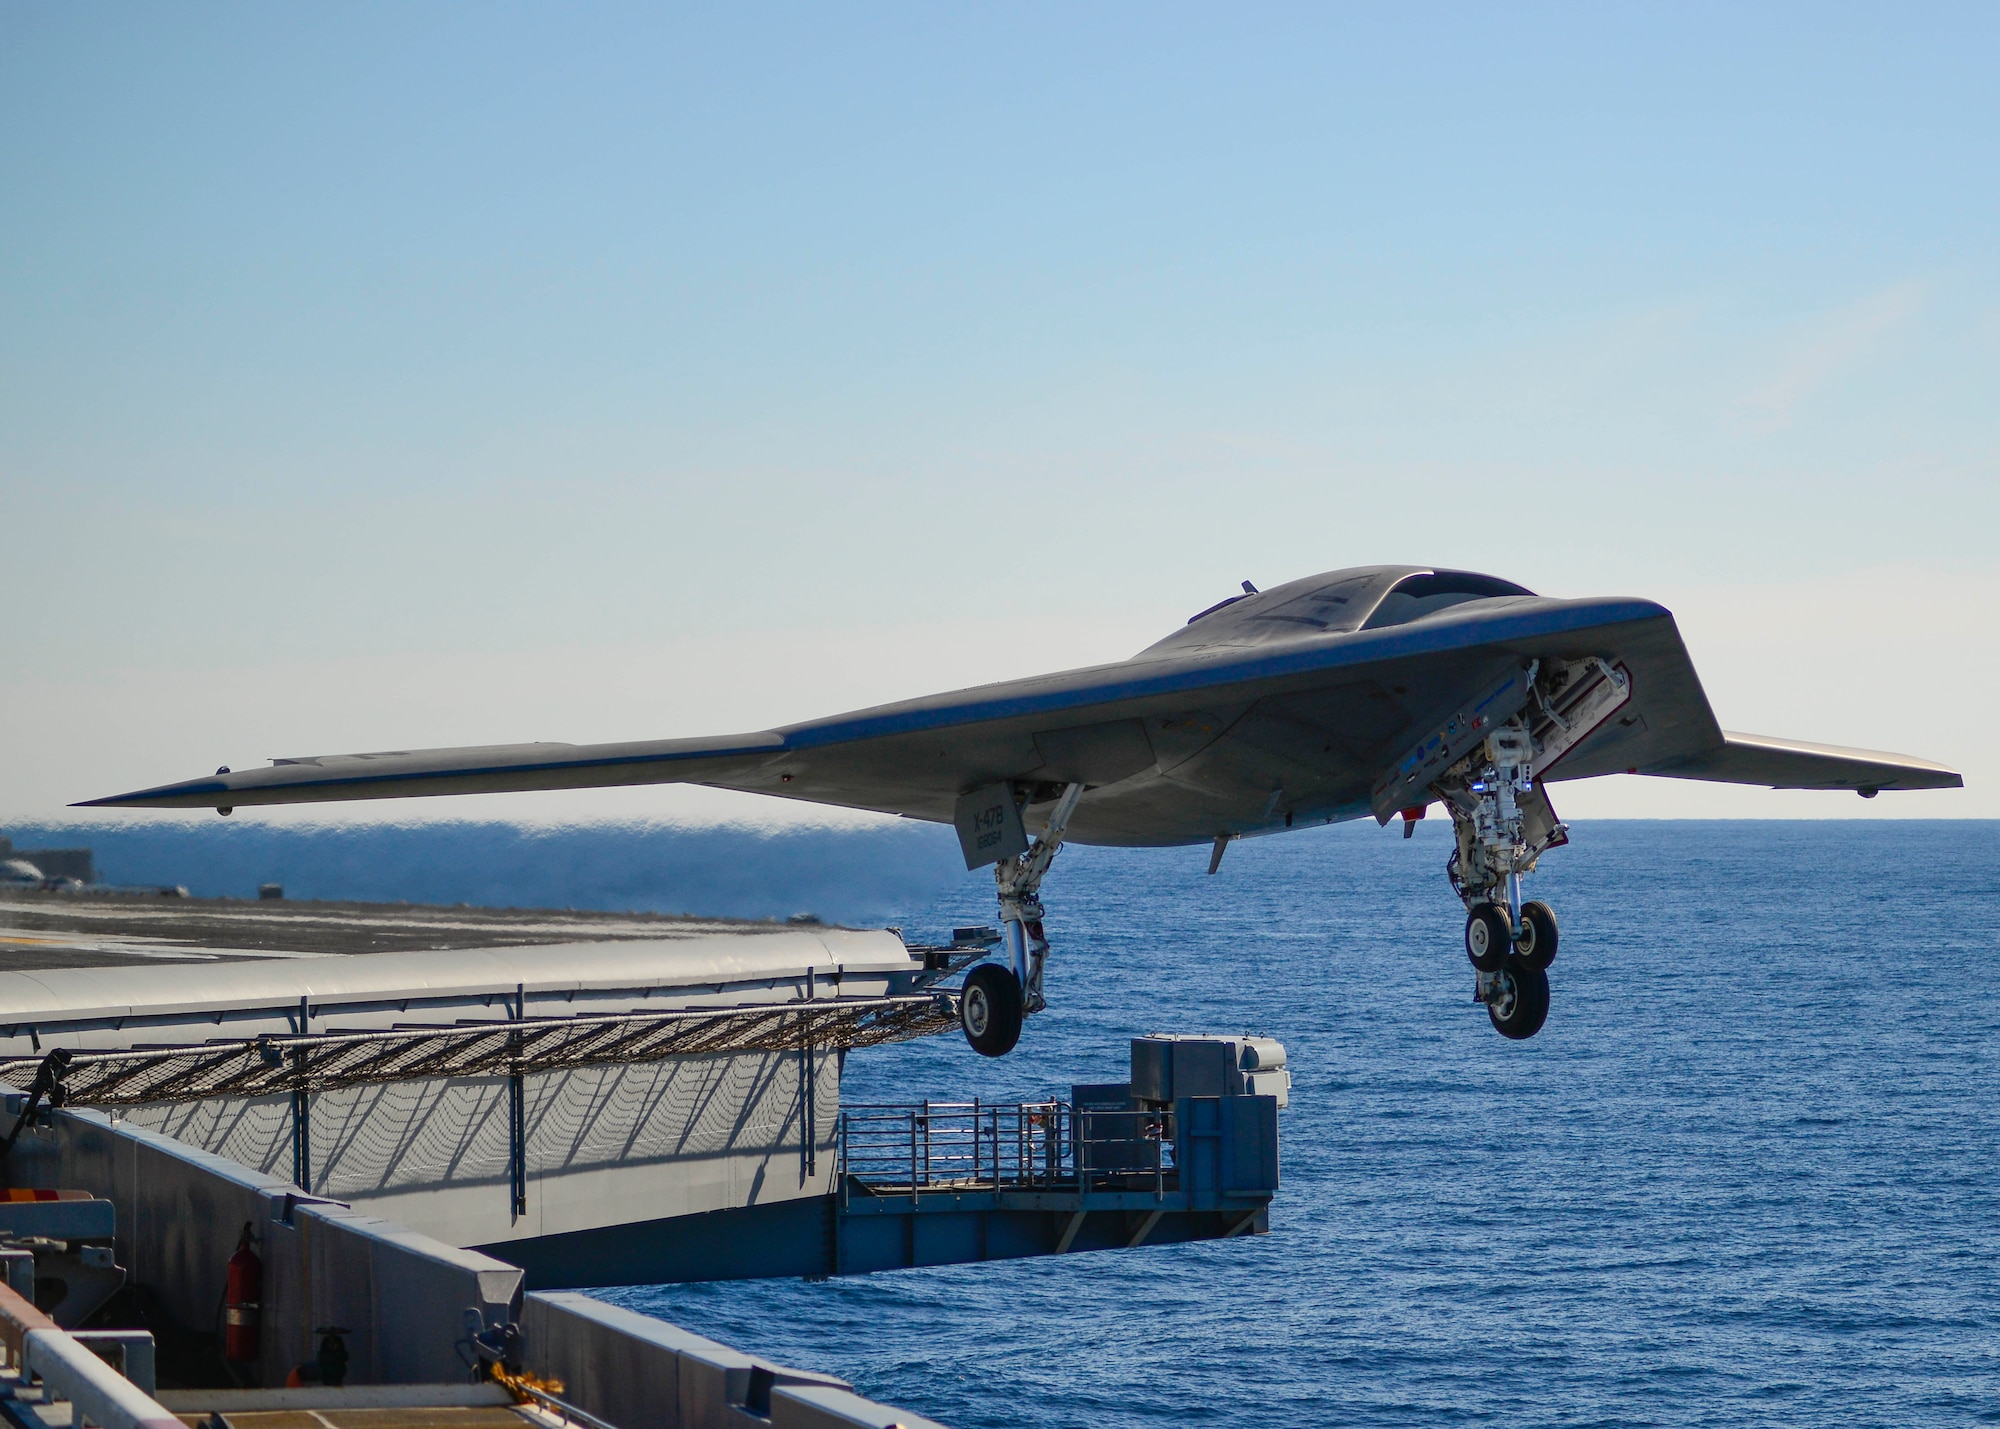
<point x="389" y="376"/>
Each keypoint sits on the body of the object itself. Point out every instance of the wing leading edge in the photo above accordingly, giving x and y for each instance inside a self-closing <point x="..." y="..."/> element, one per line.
<point x="474" y="769"/>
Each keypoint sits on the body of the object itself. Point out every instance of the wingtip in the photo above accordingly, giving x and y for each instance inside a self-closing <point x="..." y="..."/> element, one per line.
<point x="194" y="794"/>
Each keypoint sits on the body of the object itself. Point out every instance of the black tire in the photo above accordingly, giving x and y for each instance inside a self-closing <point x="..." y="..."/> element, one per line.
<point x="1489" y="937"/>
<point x="989" y="1010"/>
<point x="1521" y="1001"/>
<point x="1537" y="944"/>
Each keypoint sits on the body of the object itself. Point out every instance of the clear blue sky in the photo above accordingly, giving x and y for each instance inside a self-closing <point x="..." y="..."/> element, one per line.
<point x="425" y="333"/>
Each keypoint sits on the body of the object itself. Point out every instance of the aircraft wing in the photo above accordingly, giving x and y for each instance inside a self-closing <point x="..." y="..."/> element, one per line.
<point x="472" y="769"/>
<point x="1795" y="764"/>
<point x="1174" y="746"/>
<point x="1101" y="725"/>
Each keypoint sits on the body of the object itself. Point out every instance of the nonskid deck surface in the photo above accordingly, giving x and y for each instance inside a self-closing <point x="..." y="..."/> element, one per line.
<point x="57" y="930"/>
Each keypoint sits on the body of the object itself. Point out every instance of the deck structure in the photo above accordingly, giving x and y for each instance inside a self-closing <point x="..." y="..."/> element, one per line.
<point x="598" y="1099"/>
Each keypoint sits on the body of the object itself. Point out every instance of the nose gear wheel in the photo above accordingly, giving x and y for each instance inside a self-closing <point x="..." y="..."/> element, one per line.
<point x="990" y="1010"/>
<point x="995" y="996"/>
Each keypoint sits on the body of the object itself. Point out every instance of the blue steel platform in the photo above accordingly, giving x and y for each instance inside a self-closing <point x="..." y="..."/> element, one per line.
<point x="935" y="1184"/>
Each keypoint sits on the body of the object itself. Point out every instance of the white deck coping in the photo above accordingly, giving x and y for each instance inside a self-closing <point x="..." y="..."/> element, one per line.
<point x="556" y="978"/>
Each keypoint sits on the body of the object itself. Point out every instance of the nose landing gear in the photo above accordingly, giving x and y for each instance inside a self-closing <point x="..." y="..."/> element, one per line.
<point x="995" y="998"/>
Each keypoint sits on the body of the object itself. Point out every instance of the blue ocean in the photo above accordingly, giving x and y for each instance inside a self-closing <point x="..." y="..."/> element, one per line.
<point x="1746" y="1175"/>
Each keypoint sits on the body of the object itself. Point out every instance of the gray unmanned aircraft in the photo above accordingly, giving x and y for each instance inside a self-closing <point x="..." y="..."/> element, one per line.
<point x="1375" y="691"/>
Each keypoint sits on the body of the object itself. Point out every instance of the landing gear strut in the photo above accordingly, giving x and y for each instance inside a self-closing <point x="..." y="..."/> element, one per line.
<point x="996" y="998"/>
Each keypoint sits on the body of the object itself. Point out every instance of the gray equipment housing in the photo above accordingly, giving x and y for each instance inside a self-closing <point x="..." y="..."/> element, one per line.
<point x="1168" y="1066"/>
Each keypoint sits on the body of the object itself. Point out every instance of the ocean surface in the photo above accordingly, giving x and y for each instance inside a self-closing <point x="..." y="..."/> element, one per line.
<point x="1748" y="1174"/>
<point x="854" y="875"/>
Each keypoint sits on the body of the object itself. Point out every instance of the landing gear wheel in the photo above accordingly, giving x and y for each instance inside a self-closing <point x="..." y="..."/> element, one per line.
<point x="1537" y="944"/>
<point x="1488" y="937"/>
<point x="990" y="1010"/>
<point x="1520" y="1002"/>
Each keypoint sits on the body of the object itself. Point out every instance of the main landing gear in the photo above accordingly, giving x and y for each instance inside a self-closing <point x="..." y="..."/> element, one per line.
<point x="1504" y="823"/>
<point x="1486" y="765"/>
<point x="996" y="997"/>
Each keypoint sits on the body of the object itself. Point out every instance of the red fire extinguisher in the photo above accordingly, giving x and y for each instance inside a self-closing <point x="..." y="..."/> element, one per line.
<point x="240" y="1302"/>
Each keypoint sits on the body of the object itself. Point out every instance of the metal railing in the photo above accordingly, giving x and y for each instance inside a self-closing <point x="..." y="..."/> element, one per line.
<point x="967" y="1146"/>
<point x="315" y="1062"/>
<point x="97" y="1393"/>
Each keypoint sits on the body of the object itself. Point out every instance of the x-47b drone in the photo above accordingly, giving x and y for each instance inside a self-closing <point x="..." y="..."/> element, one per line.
<point x="1378" y="691"/>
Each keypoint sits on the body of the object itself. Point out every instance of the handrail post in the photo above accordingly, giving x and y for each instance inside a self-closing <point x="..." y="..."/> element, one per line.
<point x="301" y="1107"/>
<point x="517" y="1112"/>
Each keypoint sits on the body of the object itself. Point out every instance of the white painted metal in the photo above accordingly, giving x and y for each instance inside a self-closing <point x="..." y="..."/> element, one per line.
<point x="97" y="1393"/>
<point x="110" y="1007"/>
<point x="1020" y="910"/>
